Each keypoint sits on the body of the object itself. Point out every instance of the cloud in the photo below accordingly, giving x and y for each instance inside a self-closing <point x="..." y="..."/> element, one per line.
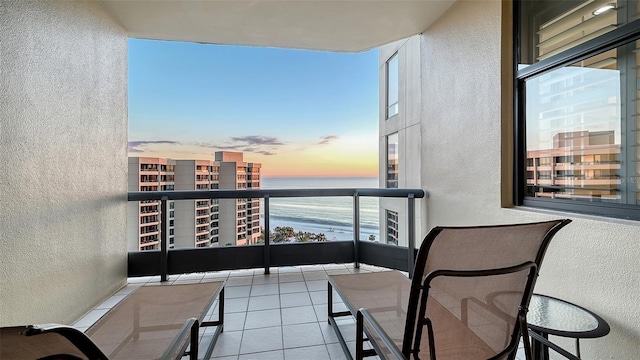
<point x="257" y="144"/>
<point x="226" y="147"/>
<point x="267" y="153"/>
<point x="327" y="139"/>
<point x="134" y="146"/>
<point x="258" y="140"/>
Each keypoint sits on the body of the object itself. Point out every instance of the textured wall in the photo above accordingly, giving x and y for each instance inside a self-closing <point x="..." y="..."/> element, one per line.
<point x="407" y="124"/>
<point x="63" y="171"/>
<point x="593" y="261"/>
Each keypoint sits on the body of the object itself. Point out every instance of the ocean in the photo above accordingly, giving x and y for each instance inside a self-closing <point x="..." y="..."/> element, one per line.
<point x="332" y="216"/>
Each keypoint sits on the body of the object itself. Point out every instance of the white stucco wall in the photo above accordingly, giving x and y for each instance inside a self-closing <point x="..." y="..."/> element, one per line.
<point x="63" y="136"/>
<point x="594" y="261"/>
<point x="407" y="124"/>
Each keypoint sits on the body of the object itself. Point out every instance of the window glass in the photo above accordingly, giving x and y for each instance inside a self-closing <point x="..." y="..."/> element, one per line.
<point x="392" y="161"/>
<point x="582" y="129"/>
<point x="392" y="86"/>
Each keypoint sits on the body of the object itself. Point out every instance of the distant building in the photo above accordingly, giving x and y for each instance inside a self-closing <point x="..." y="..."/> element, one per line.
<point x="196" y="221"/>
<point x="199" y="222"/>
<point x="149" y="174"/>
<point x="239" y="218"/>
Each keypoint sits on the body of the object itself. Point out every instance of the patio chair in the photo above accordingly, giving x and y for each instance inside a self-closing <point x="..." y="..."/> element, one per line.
<point x="154" y="322"/>
<point x="467" y="298"/>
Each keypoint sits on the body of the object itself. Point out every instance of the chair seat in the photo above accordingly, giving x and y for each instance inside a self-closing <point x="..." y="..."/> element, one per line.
<point x="14" y="345"/>
<point x="149" y="323"/>
<point x="145" y="322"/>
<point x="385" y="295"/>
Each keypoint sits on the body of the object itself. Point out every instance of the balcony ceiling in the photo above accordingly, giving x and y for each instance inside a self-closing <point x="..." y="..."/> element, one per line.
<point x="341" y="25"/>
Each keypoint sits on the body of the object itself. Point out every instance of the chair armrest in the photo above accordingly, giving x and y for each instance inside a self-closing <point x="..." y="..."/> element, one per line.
<point x="75" y="336"/>
<point x="364" y="314"/>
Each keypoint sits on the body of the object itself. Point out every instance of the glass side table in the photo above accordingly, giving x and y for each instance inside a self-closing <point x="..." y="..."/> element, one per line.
<point x="551" y="316"/>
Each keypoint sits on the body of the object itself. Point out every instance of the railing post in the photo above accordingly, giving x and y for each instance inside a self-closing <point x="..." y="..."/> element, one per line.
<point x="411" y="204"/>
<point x="356" y="230"/>
<point x="164" y="251"/>
<point x="267" y="256"/>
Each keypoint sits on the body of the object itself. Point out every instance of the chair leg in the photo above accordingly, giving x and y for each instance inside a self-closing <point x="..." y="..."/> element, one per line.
<point x="195" y="333"/>
<point x="359" y="336"/>
<point x="524" y="329"/>
<point x="329" y="301"/>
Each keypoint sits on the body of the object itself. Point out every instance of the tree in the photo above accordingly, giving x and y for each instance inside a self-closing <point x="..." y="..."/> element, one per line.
<point x="285" y="231"/>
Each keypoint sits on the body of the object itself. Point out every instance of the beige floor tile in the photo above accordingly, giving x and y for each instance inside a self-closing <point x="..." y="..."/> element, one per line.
<point x="295" y="299"/>
<point x="302" y="335"/>
<point x="298" y="315"/>
<point x="318" y="352"/>
<point x="262" y="318"/>
<point x="264" y="302"/>
<point x="261" y="340"/>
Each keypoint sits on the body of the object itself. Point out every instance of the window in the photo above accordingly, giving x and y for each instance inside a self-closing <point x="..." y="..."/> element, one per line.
<point x="578" y="91"/>
<point x="392" y="161"/>
<point x="392" y="227"/>
<point x="392" y="86"/>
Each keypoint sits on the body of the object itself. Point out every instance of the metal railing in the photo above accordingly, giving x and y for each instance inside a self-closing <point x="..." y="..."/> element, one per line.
<point x="146" y="262"/>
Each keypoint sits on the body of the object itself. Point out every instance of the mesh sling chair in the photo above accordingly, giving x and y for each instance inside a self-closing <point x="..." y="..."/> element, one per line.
<point x="467" y="299"/>
<point x="153" y="322"/>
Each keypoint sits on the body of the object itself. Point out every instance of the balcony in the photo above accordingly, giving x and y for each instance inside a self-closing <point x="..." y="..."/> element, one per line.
<point x="275" y="292"/>
<point x="65" y="106"/>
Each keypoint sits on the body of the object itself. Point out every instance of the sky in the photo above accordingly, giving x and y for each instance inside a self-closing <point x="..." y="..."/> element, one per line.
<point x="299" y="113"/>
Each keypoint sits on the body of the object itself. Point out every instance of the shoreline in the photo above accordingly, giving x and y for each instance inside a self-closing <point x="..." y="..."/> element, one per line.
<point x="333" y="233"/>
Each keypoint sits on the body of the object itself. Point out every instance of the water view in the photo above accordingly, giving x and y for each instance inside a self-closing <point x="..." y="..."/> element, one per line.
<point x="332" y="216"/>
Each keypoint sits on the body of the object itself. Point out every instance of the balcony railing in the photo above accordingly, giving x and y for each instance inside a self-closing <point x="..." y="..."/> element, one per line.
<point x="164" y="262"/>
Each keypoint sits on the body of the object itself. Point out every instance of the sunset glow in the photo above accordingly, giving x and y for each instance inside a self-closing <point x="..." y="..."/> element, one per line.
<point x="299" y="113"/>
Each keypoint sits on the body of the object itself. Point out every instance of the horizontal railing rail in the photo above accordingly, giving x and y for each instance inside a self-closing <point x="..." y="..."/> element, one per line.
<point x="265" y="255"/>
<point x="273" y="193"/>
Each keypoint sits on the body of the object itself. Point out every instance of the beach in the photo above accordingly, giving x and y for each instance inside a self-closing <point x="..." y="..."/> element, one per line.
<point x="332" y="216"/>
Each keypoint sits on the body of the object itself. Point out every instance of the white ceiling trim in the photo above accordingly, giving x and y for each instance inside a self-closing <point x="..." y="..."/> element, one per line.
<point x="330" y="25"/>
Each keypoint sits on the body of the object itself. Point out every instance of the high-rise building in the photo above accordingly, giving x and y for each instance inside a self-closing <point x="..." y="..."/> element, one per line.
<point x="149" y="174"/>
<point x="400" y="139"/>
<point x="239" y="218"/>
<point x="200" y="222"/>
<point x="196" y="221"/>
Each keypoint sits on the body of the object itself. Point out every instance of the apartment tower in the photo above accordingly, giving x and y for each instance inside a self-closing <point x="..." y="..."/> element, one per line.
<point x="143" y="229"/>
<point x="196" y="221"/>
<point x="239" y="218"/>
<point x="200" y="222"/>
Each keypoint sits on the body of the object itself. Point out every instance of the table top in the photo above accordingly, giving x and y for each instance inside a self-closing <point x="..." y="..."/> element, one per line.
<point x="558" y="317"/>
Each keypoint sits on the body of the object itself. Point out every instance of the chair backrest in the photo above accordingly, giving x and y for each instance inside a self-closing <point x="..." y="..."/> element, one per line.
<point x="475" y="317"/>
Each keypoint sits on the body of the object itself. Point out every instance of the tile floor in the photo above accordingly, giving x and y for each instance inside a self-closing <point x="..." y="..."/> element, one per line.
<point x="280" y="316"/>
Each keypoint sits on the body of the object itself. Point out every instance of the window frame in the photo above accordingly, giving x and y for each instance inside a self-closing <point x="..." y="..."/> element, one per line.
<point x="386" y="170"/>
<point x="621" y="36"/>
<point x="397" y="103"/>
